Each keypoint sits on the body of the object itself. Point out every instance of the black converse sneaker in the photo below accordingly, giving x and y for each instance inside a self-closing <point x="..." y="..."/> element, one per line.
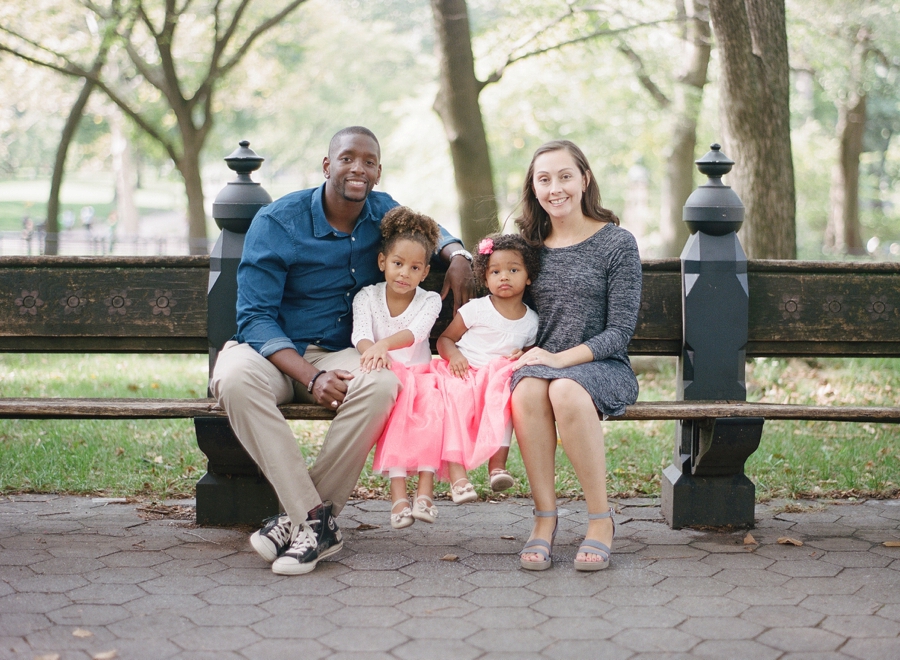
<point x="318" y="538"/>
<point x="274" y="538"/>
<point x="327" y="533"/>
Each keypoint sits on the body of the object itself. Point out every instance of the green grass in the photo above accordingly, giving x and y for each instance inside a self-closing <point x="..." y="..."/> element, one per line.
<point x="160" y="459"/>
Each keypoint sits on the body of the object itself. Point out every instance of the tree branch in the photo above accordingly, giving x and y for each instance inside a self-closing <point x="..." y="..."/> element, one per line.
<point x="658" y="95"/>
<point x="257" y="32"/>
<point x="497" y="74"/>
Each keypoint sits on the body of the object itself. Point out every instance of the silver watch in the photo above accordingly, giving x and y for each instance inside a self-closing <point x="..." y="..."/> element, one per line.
<point x="463" y="252"/>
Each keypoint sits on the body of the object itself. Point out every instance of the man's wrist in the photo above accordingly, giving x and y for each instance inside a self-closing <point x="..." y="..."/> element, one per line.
<point x="312" y="381"/>
<point x="461" y="252"/>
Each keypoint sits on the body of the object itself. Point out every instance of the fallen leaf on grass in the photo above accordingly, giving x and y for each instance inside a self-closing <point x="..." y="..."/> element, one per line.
<point x="449" y="558"/>
<point x="106" y="655"/>
<point x="81" y="632"/>
<point x="507" y="537"/>
<point x="749" y="540"/>
<point x="891" y="544"/>
<point x="786" y="540"/>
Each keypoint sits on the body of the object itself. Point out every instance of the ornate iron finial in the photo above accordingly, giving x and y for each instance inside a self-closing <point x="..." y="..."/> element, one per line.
<point x="714" y="208"/>
<point x="237" y="203"/>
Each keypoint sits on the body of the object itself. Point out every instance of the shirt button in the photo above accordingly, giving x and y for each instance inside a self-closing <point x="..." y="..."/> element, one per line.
<point x="352" y="270"/>
<point x="352" y="238"/>
<point x="347" y="294"/>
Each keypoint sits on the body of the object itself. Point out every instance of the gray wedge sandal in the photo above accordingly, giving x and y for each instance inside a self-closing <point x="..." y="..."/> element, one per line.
<point x="591" y="547"/>
<point x="540" y="546"/>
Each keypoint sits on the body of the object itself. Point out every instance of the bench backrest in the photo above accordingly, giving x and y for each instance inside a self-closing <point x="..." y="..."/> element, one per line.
<point x="158" y="305"/>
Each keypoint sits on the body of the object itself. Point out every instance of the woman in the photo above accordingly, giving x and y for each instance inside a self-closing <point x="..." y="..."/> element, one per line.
<point x="587" y="297"/>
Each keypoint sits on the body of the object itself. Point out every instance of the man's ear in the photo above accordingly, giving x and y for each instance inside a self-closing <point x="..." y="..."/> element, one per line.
<point x="326" y="167"/>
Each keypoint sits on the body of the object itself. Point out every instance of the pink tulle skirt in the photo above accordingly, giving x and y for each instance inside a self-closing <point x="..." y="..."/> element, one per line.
<point x="440" y="419"/>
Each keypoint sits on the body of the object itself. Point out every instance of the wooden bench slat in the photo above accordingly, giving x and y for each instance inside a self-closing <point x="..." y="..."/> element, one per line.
<point x="69" y="408"/>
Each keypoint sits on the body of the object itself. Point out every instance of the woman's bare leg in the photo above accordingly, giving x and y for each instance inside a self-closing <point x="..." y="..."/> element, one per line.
<point x="535" y="428"/>
<point x="581" y="435"/>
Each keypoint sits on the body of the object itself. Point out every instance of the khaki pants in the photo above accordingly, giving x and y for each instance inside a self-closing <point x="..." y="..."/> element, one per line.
<point x="249" y="388"/>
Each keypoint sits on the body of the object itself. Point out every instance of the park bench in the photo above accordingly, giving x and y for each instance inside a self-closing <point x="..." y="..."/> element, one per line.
<point x="712" y="309"/>
<point x="159" y="305"/>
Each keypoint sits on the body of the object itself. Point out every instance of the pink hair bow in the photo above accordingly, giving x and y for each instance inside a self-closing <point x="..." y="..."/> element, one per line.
<point x="486" y="246"/>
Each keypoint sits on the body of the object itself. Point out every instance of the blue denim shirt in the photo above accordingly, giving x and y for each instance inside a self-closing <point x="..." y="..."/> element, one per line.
<point x="298" y="275"/>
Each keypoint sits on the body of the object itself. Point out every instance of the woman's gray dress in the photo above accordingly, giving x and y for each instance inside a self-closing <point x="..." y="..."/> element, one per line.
<point x="590" y="293"/>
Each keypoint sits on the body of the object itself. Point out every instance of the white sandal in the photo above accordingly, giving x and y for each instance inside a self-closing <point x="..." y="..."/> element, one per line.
<point x="501" y="479"/>
<point x="424" y="509"/>
<point x="463" y="494"/>
<point x="403" y="518"/>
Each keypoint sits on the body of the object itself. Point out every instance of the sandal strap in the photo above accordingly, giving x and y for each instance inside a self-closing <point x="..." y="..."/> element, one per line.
<point x="545" y="514"/>
<point x="537" y="547"/>
<point x="591" y="547"/>
<point x="601" y="516"/>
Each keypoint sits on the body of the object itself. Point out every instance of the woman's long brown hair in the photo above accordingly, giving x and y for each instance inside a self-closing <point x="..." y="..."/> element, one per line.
<point x="534" y="223"/>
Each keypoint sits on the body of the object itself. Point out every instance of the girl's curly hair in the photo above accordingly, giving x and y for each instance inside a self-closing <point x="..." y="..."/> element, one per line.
<point x="530" y="255"/>
<point x="403" y="222"/>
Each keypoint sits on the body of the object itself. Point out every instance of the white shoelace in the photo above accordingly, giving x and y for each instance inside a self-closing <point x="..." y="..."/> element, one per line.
<point x="281" y="533"/>
<point x="306" y="539"/>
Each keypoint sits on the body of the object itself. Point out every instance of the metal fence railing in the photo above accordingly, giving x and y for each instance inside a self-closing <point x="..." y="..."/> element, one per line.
<point x="86" y="243"/>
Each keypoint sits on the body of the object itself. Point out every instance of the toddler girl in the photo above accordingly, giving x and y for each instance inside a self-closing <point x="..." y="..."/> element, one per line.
<point x="392" y="321"/>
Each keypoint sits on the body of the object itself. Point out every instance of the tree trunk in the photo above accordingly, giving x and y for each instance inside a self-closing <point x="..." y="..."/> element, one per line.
<point x="126" y="219"/>
<point x="843" y="233"/>
<point x="752" y="45"/>
<point x="189" y="167"/>
<point x="678" y="183"/>
<point x="457" y="106"/>
<point x="51" y="243"/>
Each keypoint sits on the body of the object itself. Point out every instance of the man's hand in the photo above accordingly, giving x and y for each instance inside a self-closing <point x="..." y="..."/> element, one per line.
<point x="459" y="279"/>
<point x="331" y="388"/>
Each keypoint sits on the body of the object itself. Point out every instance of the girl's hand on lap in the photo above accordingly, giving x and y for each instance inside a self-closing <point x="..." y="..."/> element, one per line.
<point x="375" y="357"/>
<point x="459" y="366"/>
<point x="515" y="355"/>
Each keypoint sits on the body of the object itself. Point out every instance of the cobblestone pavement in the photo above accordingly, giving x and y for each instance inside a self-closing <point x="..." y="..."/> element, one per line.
<point x="84" y="579"/>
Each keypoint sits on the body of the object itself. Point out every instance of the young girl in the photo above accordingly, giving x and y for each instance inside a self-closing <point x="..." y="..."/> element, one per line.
<point x="392" y="321"/>
<point x="479" y="346"/>
<point x="462" y="400"/>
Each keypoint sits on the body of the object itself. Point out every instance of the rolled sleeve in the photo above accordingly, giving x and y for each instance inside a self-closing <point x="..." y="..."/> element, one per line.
<point x="261" y="276"/>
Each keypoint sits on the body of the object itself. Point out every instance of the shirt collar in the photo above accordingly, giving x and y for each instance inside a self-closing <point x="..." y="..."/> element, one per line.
<point x="320" y="223"/>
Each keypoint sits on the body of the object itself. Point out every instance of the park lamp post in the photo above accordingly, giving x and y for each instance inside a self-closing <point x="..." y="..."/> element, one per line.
<point x="233" y="491"/>
<point x="706" y="484"/>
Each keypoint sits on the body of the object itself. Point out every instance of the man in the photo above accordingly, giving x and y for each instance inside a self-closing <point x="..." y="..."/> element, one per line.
<point x="305" y="257"/>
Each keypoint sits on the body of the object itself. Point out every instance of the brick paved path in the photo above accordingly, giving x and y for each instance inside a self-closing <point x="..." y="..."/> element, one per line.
<point x="82" y="579"/>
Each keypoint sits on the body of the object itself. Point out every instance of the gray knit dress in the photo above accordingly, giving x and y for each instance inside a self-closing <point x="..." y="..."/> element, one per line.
<point x="590" y="293"/>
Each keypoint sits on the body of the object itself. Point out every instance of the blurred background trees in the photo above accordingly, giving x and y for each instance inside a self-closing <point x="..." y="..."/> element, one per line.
<point x="640" y="85"/>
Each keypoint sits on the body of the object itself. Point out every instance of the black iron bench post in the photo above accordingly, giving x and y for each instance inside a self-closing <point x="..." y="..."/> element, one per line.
<point x="706" y="484"/>
<point x="233" y="490"/>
